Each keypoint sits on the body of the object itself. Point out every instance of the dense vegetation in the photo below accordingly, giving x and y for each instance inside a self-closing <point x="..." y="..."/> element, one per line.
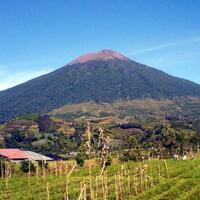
<point x="143" y="135"/>
<point x="99" y="81"/>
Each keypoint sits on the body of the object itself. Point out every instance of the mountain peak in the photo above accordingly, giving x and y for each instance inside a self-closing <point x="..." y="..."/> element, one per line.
<point x="104" y="54"/>
<point x="97" y="81"/>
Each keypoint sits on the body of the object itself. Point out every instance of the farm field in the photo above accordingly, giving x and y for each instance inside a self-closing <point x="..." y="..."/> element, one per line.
<point x="154" y="179"/>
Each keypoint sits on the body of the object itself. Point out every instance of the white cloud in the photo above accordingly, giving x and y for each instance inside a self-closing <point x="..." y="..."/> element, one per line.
<point x="10" y="80"/>
<point x="164" y="46"/>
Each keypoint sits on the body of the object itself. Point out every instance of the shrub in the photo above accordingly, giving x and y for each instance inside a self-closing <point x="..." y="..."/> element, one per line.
<point x="80" y="160"/>
<point x="109" y="161"/>
<point x="134" y="155"/>
<point x="131" y="125"/>
<point x="25" y="166"/>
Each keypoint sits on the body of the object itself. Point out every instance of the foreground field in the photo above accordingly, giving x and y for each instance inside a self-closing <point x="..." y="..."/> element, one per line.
<point x="155" y="179"/>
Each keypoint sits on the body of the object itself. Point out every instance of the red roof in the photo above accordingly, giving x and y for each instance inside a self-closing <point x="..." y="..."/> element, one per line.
<point x="14" y="154"/>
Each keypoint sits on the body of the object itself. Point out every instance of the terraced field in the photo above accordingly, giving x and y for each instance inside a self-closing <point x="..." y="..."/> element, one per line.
<point x="155" y="179"/>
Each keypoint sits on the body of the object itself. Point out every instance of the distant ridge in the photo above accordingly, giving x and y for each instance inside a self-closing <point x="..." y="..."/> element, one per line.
<point x="105" y="76"/>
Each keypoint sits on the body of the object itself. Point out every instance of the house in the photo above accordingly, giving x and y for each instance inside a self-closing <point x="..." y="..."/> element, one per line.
<point x="15" y="155"/>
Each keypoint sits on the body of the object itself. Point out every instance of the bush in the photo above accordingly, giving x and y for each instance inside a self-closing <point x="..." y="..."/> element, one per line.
<point x="80" y="160"/>
<point x="25" y="167"/>
<point x="130" y="125"/>
<point x="134" y="155"/>
<point x="109" y="161"/>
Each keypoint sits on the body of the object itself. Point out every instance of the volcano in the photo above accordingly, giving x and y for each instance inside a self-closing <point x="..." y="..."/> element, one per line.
<point x="104" y="76"/>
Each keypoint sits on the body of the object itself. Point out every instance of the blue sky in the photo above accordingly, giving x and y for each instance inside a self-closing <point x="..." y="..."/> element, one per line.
<point x="38" y="36"/>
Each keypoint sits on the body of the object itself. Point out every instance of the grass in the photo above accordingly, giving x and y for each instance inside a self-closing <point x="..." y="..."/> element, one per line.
<point x="133" y="181"/>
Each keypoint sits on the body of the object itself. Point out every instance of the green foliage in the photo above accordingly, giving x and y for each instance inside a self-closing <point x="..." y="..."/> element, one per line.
<point x="134" y="155"/>
<point x="177" y="133"/>
<point x="130" y="125"/>
<point x="161" y="137"/>
<point x="29" y="116"/>
<point x="26" y="166"/>
<point x="109" y="161"/>
<point x="132" y="142"/>
<point x="19" y="139"/>
<point x="80" y="160"/>
<point x="45" y="143"/>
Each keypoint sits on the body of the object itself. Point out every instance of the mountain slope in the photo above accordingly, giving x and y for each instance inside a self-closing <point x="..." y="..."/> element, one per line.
<point x="102" y="77"/>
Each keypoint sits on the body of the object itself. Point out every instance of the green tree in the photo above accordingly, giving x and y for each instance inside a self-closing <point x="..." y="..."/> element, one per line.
<point x="132" y="142"/>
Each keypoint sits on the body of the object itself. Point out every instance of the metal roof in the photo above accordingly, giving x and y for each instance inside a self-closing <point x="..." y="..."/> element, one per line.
<point x="36" y="156"/>
<point x="13" y="154"/>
